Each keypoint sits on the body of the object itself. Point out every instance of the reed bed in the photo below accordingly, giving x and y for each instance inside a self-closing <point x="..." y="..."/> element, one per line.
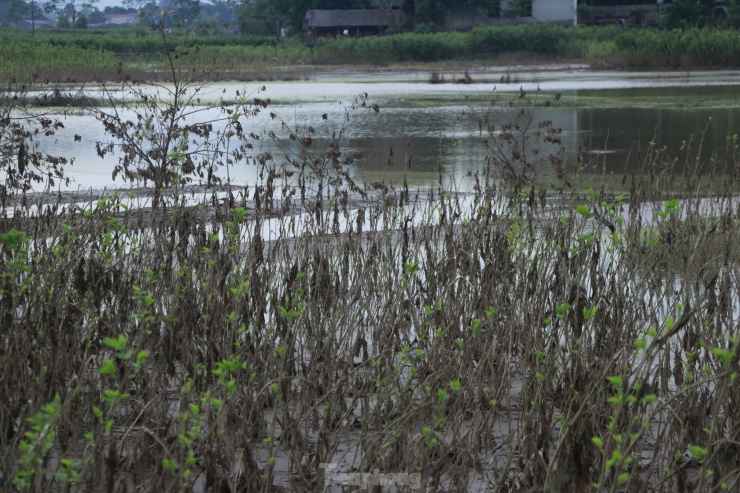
<point x="305" y="333"/>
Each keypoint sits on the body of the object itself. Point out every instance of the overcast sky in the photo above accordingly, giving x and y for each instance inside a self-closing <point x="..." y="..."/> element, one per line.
<point x="107" y="3"/>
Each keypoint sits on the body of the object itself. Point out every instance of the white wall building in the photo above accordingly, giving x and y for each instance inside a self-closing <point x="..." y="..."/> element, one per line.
<point x="556" y="11"/>
<point x="561" y="12"/>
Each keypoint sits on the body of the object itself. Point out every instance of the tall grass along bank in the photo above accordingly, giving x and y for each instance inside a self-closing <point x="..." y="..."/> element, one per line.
<point x="104" y="56"/>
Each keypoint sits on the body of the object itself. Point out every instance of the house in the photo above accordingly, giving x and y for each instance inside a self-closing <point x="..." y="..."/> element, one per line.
<point x="318" y="23"/>
<point x="36" y="23"/>
<point x="400" y="13"/>
<point x="120" y="19"/>
<point x="514" y="12"/>
<point x="553" y="11"/>
<point x="636" y="15"/>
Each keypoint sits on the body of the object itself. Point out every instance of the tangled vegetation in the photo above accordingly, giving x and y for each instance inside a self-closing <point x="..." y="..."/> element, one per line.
<point x="525" y="335"/>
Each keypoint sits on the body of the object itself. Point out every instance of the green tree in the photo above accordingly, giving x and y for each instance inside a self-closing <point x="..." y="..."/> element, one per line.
<point x="220" y="10"/>
<point x="731" y="11"/>
<point x="253" y="17"/>
<point x="148" y="14"/>
<point x="119" y="10"/>
<point x="186" y="12"/>
<point x="12" y="11"/>
<point x="433" y="11"/>
<point x="69" y="9"/>
<point x="268" y="16"/>
<point x="698" y="13"/>
<point x="96" y="17"/>
<point x="63" y="22"/>
<point x="609" y="3"/>
<point x="519" y="8"/>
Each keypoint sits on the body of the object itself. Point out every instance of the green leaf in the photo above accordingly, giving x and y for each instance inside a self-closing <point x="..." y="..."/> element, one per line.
<point x="616" y="381"/>
<point x="125" y="355"/>
<point x="169" y="465"/>
<point x="650" y="399"/>
<point x="141" y="357"/>
<point x="13" y="238"/>
<point x="562" y="310"/>
<point x="112" y="397"/>
<point x="598" y="441"/>
<point x="230" y="387"/>
<point x="589" y="313"/>
<point x="117" y="344"/>
<point x="616" y="458"/>
<point x="108" y="368"/>
<point x="723" y="356"/>
<point x="698" y="453"/>
<point x="584" y="211"/>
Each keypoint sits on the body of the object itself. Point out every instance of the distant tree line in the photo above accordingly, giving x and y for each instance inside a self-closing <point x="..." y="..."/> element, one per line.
<point x="269" y="16"/>
<point x="214" y="16"/>
<point x="685" y="13"/>
<point x="701" y="13"/>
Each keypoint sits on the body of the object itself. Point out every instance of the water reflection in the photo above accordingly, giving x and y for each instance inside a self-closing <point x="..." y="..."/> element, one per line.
<point x="422" y="129"/>
<point x="626" y="132"/>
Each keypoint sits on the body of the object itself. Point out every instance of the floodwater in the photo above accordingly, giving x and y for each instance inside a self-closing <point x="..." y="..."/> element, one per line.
<point x="609" y="120"/>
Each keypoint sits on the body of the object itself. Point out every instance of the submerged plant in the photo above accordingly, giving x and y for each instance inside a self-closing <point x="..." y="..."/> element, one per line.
<point x="23" y="163"/>
<point x="168" y="134"/>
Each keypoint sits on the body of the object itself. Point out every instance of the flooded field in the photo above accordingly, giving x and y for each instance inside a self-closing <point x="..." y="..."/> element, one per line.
<point x="607" y="119"/>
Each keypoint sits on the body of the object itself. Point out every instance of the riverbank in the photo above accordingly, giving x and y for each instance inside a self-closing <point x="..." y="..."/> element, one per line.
<point x="59" y="56"/>
<point x="578" y="86"/>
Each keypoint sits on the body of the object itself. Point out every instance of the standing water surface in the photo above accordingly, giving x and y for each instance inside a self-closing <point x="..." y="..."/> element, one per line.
<point x="610" y="118"/>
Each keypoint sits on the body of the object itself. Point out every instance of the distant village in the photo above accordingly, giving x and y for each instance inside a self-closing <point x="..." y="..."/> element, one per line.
<point x="110" y="17"/>
<point x="383" y="16"/>
<point x="117" y="17"/>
